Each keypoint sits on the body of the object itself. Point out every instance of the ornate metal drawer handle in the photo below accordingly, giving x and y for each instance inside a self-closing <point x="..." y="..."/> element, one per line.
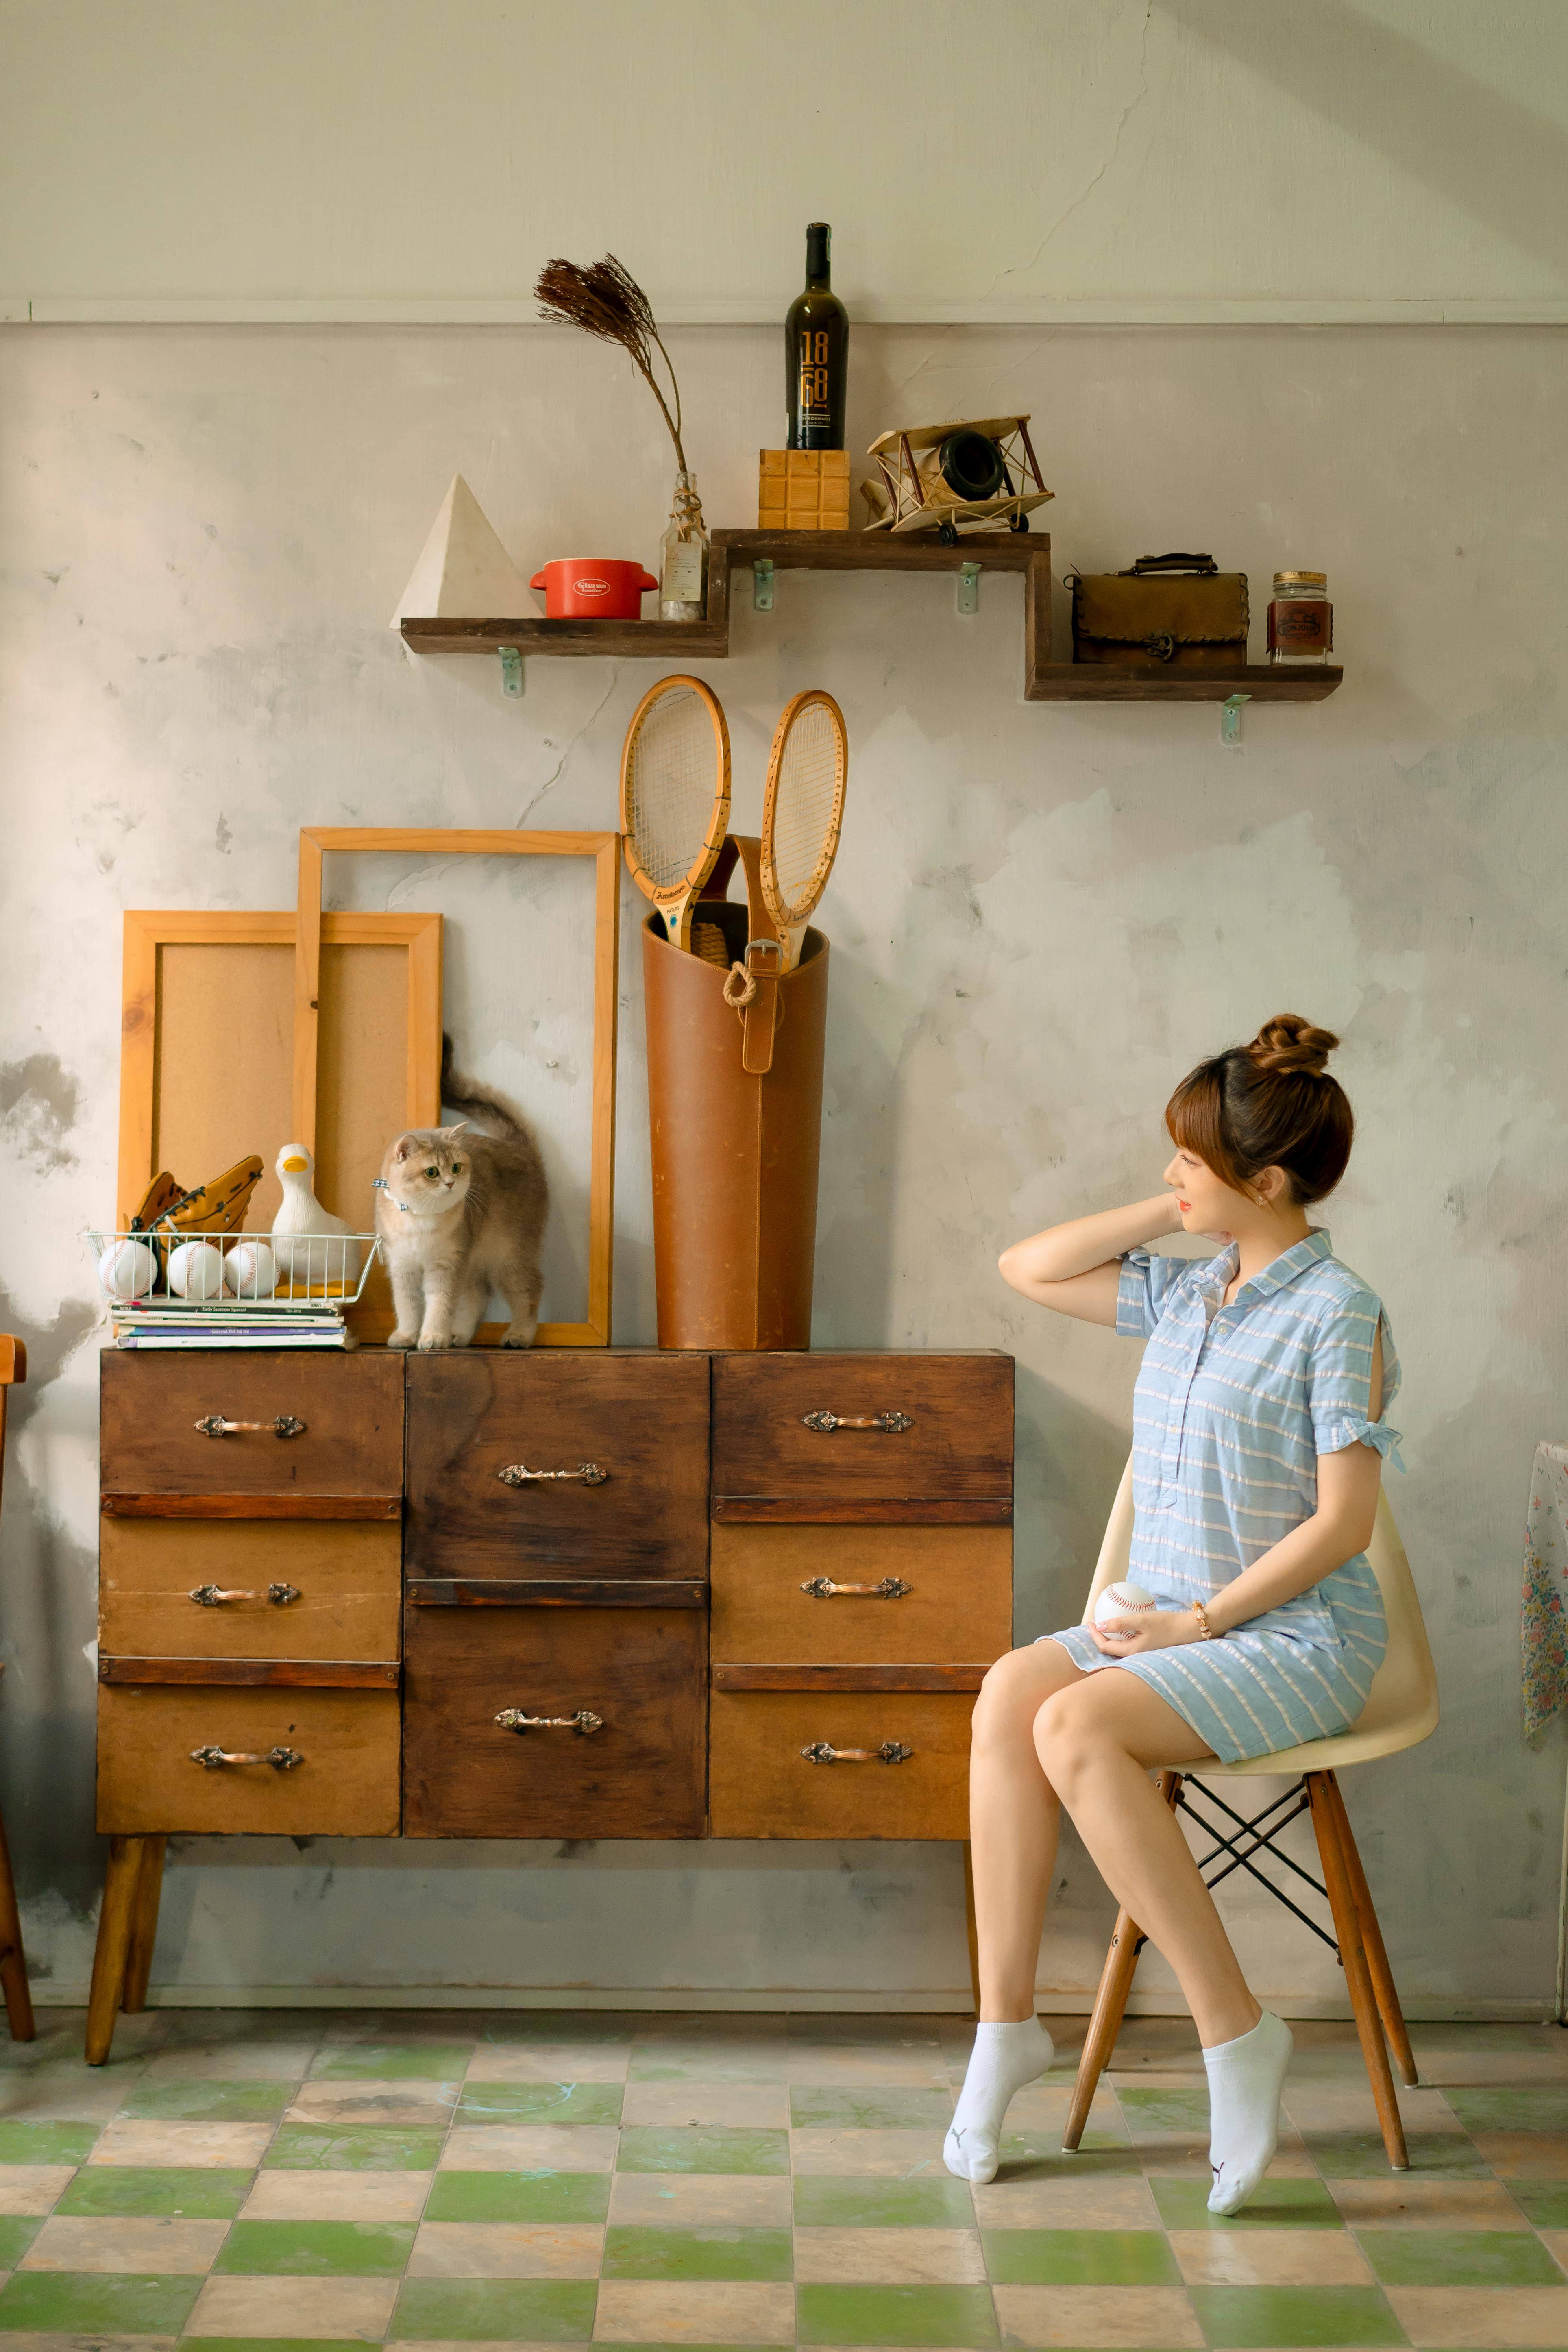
<point x="891" y="1587"/>
<point x="892" y="1752"/>
<point x="825" y="1423"/>
<point x="213" y="1596"/>
<point x="282" y="1760"/>
<point x="513" y="1719"/>
<point x="213" y="1425"/>
<point x="518" y="1474"/>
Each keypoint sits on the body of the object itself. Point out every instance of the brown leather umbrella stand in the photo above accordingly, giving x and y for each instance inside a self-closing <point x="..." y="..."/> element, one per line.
<point x="735" y="1111"/>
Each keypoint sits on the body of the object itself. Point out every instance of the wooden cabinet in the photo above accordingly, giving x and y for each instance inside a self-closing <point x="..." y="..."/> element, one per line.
<point x="311" y="1763"/>
<point x="931" y="1433"/>
<point x="213" y="1425"/>
<point x="531" y="1646"/>
<point x="559" y="1463"/>
<point x="862" y="1583"/>
<point x="852" y="1595"/>
<point x="192" y="1587"/>
<point x="547" y="1721"/>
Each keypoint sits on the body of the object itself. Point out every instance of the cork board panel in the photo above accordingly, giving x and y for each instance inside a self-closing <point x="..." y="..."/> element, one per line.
<point x="208" y="1046"/>
<point x="223" y="1044"/>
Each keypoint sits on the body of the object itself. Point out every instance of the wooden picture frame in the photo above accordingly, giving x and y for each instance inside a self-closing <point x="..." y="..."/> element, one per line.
<point x="313" y="933"/>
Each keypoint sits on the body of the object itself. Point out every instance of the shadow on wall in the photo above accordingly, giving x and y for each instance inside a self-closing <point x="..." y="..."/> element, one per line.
<point x="47" y="1754"/>
<point x="1499" y="162"/>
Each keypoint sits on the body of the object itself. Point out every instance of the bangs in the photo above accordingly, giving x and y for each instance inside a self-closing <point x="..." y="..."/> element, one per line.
<point x="1196" y="1118"/>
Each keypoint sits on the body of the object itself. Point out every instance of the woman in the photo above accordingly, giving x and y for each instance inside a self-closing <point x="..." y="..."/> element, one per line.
<point x="1258" y="1449"/>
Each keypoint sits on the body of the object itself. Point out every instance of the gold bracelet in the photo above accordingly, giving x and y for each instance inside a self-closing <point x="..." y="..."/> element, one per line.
<point x="1202" y="1615"/>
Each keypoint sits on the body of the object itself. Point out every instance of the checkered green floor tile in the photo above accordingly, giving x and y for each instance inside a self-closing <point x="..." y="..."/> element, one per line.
<point x="288" y="2182"/>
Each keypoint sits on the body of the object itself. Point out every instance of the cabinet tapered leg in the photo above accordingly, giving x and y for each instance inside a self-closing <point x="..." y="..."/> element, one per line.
<point x="120" y="1885"/>
<point x="12" y="1964"/>
<point x="144" y="1926"/>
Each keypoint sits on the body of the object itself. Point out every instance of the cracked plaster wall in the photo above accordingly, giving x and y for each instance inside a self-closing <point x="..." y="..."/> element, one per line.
<point x="1040" y="915"/>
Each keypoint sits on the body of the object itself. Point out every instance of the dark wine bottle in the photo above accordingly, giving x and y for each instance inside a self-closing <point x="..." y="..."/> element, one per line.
<point x="816" y="353"/>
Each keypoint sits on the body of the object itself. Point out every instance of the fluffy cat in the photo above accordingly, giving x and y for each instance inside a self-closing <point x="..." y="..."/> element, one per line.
<point x="462" y="1214"/>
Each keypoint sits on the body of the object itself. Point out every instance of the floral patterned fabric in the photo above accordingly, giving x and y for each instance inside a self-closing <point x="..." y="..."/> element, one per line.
<point x="1543" y="1618"/>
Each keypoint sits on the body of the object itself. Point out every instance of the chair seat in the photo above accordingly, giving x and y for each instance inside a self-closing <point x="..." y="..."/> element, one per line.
<point x="1401" y="1708"/>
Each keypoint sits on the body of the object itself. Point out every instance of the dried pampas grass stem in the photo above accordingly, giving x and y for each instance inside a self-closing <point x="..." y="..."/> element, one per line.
<point x="604" y="298"/>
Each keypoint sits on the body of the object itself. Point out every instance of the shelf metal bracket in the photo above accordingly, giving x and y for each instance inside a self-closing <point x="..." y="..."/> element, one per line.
<point x="511" y="673"/>
<point x="762" y="584"/>
<point x="969" y="588"/>
<point x="1230" y="719"/>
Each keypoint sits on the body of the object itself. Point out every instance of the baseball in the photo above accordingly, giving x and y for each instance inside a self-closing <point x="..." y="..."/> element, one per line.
<point x="128" y="1269"/>
<point x="196" y="1271"/>
<point x="1123" y="1600"/>
<point x="250" y="1270"/>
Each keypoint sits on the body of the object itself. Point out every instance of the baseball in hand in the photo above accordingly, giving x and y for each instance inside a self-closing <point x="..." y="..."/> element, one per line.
<point x="196" y="1271"/>
<point x="1123" y="1600"/>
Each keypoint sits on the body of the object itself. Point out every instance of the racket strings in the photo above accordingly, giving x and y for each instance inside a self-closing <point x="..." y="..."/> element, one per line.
<point x="806" y="802"/>
<point x="672" y="780"/>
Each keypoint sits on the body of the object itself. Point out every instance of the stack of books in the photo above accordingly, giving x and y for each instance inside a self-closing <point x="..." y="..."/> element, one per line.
<point x="259" y="1324"/>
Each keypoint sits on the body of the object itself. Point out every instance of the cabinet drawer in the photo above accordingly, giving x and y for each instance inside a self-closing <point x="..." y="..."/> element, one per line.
<point x="640" y="1420"/>
<point x="957" y="1600"/>
<point x="345" y="1786"/>
<point x="345" y="1579"/>
<point x="640" y="1774"/>
<point x="760" y="1786"/>
<point x="350" y="1408"/>
<point x="949" y="1444"/>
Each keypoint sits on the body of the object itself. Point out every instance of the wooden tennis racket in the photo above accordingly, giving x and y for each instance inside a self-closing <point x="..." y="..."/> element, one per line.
<point x="675" y="796"/>
<point x="802" y="813"/>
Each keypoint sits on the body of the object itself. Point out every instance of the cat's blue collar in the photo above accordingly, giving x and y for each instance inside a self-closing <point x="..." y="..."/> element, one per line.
<point x="380" y="1185"/>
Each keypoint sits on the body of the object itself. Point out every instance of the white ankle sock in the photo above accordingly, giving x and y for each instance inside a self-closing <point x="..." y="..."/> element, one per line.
<point x="1246" y="2078"/>
<point x="1005" y="2057"/>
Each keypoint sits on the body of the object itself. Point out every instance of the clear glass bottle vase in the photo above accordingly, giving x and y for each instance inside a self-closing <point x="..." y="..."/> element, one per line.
<point x="683" y="567"/>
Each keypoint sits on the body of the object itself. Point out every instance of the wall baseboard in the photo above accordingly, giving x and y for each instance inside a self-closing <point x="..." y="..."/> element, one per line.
<point x="948" y="2003"/>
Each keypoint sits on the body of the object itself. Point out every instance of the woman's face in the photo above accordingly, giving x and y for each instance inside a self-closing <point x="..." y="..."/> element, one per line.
<point x="1206" y="1205"/>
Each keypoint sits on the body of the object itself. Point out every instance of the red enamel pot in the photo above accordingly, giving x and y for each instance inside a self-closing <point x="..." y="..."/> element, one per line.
<point x="593" y="588"/>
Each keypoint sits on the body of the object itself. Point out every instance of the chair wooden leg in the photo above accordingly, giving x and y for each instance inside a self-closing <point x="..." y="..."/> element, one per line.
<point x="144" y="1926"/>
<point x="969" y="1922"/>
<point x="121" y="1885"/>
<point x="1358" y="1977"/>
<point x="13" y="1961"/>
<point x="1382" y="1975"/>
<point x="1109" y="2003"/>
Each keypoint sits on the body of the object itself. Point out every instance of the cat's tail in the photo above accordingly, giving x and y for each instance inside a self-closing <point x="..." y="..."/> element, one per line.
<point x="471" y="1095"/>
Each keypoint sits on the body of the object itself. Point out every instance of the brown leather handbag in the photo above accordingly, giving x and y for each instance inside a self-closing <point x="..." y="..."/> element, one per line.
<point x="1169" y="612"/>
<point x="734" y="1086"/>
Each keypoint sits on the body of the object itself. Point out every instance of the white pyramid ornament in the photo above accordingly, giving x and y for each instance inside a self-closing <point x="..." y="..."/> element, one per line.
<point x="465" y="573"/>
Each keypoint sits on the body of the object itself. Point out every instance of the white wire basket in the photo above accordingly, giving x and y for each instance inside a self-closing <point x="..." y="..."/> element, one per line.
<point x="207" y="1273"/>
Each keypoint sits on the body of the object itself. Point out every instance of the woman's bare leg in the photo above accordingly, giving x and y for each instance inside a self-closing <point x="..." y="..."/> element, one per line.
<point x="1014" y="1818"/>
<point x="1097" y="1744"/>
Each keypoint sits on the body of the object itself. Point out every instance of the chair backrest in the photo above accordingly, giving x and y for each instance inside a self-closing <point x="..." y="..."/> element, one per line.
<point x="1405" y="1688"/>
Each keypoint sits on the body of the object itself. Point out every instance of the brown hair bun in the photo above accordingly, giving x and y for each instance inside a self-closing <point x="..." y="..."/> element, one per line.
<point x="1288" y="1042"/>
<point x="1272" y="1104"/>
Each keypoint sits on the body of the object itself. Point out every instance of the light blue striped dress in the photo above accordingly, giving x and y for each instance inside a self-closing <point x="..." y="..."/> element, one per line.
<point x="1234" y="1404"/>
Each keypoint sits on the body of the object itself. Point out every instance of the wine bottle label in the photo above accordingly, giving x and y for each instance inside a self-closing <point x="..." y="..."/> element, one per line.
<point x="682" y="581"/>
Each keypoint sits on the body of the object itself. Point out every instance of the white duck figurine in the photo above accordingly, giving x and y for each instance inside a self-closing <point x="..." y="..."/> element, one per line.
<point x="302" y="1215"/>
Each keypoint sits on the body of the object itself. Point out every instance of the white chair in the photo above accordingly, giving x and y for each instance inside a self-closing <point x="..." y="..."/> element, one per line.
<point x="1401" y="1711"/>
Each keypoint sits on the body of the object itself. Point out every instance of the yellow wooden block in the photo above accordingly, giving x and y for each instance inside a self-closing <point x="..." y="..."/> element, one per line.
<point x="802" y="490"/>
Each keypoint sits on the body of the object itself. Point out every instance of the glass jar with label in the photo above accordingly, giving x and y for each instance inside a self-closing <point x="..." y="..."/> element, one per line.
<point x="683" y="560"/>
<point x="1301" y="620"/>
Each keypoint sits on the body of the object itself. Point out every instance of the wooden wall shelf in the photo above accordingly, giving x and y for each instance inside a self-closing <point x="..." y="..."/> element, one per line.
<point x="1045" y="681"/>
